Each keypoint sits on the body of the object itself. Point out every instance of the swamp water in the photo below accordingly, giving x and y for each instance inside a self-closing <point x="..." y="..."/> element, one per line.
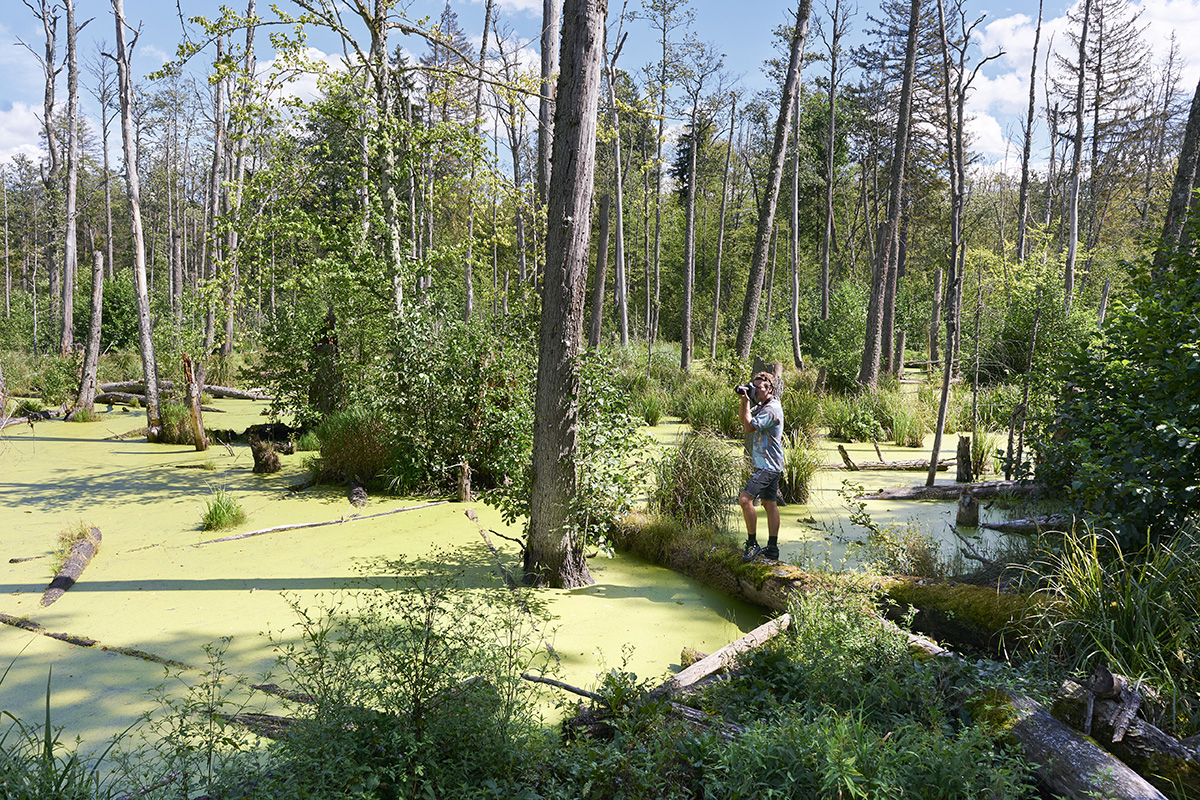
<point x="153" y="588"/>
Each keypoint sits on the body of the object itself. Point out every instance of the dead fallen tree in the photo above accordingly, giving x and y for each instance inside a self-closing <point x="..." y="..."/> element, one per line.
<point x="969" y="616"/>
<point x="951" y="491"/>
<point x="226" y="392"/>
<point x="80" y="556"/>
<point x="1053" y="522"/>
<point x="1105" y="707"/>
<point x="913" y="464"/>
<point x="128" y="399"/>
<point x="29" y="419"/>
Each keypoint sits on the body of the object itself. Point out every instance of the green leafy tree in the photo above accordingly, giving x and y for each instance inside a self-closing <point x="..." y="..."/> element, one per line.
<point x="1124" y="444"/>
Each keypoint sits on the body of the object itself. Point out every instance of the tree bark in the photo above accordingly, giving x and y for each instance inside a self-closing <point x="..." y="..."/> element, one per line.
<point x="81" y="555"/>
<point x="192" y="391"/>
<point x="766" y="216"/>
<point x="91" y="360"/>
<point x="1076" y="164"/>
<point x="554" y="549"/>
<point x="620" y="277"/>
<point x="885" y="255"/>
<point x="551" y="21"/>
<point x="70" y="240"/>
<point x="145" y="334"/>
<point x="712" y="350"/>
<point x="1181" y="193"/>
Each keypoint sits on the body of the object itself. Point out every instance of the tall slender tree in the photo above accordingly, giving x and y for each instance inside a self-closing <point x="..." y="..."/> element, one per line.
<point x="554" y="547"/>
<point x="770" y="197"/>
<point x="1027" y="147"/>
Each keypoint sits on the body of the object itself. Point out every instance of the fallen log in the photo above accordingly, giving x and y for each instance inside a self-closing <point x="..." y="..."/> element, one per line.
<point x="951" y="491"/>
<point x="227" y="392"/>
<point x="722" y="658"/>
<point x="911" y="464"/>
<point x="81" y="555"/>
<point x="971" y="616"/>
<point x="37" y="416"/>
<point x="34" y="627"/>
<point x="1032" y="525"/>
<point x="125" y="398"/>
<point x="297" y="526"/>
<point x="1067" y="763"/>
<point x="1165" y="761"/>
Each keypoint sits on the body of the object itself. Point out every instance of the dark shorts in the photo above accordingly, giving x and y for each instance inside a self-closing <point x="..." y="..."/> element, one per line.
<point x="764" y="484"/>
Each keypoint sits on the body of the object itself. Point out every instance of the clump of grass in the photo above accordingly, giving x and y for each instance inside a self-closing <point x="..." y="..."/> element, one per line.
<point x="85" y="415"/>
<point x="985" y="452"/>
<point x="308" y="442"/>
<point x="696" y="481"/>
<point x="650" y="406"/>
<point x="176" y="423"/>
<point x="67" y="538"/>
<point x="28" y="405"/>
<point x="353" y="447"/>
<point x="1132" y="611"/>
<point x="223" y="511"/>
<point x="800" y="464"/>
<point x="801" y="415"/>
<point x="908" y="427"/>
<point x="209" y="465"/>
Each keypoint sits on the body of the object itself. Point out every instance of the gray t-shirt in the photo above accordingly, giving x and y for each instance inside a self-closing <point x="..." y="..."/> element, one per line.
<point x="766" y="440"/>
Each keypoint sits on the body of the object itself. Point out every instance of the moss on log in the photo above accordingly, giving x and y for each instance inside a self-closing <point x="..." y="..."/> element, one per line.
<point x="81" y="555"/>
<point x="968" y="616"/>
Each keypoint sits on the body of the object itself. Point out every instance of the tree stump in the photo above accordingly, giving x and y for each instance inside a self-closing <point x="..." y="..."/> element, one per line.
<point x="968" y="510"/>
<point x="266" y="460"/>
<point x="965" y="473"/>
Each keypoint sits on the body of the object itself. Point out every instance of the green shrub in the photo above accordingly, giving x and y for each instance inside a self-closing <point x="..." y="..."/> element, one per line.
<point x="354" y="446"/>
<point x="1123" y="446"/>
<point x="908" y="427"/>
<point x="85" y="415"/>
<point x="696" y="481"/>
<point x="852" y="418"/>
<point x="222" y="511"/>
<point x="986" y="454"/>
<point x="28" y="405"/>
<point x="650" y="406"/>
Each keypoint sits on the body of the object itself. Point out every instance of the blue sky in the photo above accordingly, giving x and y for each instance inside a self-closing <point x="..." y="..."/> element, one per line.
<point x="740" y="30"/>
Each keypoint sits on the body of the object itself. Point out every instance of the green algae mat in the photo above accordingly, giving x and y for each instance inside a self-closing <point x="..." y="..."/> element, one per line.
<point x="154" y="594"/>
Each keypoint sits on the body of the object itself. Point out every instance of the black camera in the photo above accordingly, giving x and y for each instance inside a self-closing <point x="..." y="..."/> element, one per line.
<point x="745" y="390"/>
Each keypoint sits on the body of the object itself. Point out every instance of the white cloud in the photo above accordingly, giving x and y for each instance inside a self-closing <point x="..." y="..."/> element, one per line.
<point x="987" y="138"/>
<point x="303" y="84"/>
<point x="19" y="132"/>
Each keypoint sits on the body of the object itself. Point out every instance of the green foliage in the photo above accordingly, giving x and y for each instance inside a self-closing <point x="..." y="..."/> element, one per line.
<point x="222" y="511"/>
<point x="838" y="708"/>
<point x="801" y="413"/>
<point x="1135" y="612"/>
<point x="118" y="316"/>
<point x="1123" y="446"/>
<point x="416" y="692"/>
<point x="85" y="415"/>
<point x="836" y="343"/>
<point x="986" y="453"/>
<point x="852" y="418"/>
<point x="308" y="442"/>
<point x="908" y="425"/>
<point x="696" y="481"/>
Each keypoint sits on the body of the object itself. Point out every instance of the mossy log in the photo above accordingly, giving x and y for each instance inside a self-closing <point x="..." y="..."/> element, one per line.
<point x="81" y="555"/>
<point x="1164" y="760"/>
<point x="1068" y="764"/>
<point x="966" y="615"/>
<point x="952" y="491"/>
<point x="37" y="416"/>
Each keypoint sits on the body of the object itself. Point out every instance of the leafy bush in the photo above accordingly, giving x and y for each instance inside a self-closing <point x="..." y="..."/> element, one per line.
<point x="852" y="418"/>
<point x="801" y="415"/>
<point x="696" y="481"/>
<point x="308" y="442"/>
<point x="222" y="511"/>
<point x="1123" y="446"/>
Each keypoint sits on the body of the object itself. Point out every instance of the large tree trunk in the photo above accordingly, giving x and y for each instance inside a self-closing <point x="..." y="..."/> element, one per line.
<point x="766" y="216"/>
<point x="689" y="246"/>
<point x="145" y="334"/>
<point x="620" y="277"/>
<point x="468" y="279"/>
<point x="554" y="549"/>
<point x="87" y="384"/>
<point x="794" y="247"/>
<point x="885" y="253"/>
